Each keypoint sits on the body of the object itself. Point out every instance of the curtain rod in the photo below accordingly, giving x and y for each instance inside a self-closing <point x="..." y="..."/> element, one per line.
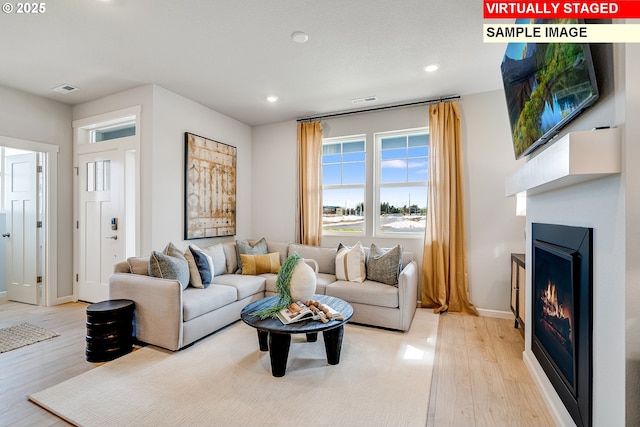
<point x="384" y="107"/>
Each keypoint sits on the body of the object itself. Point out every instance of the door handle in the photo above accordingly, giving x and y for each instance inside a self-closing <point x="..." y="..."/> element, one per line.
<point x="113" y="237"/>
<point x="6" y="235"/>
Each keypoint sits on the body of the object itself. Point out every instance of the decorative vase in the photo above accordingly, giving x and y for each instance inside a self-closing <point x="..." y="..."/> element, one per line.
<point x="303" y="281"/>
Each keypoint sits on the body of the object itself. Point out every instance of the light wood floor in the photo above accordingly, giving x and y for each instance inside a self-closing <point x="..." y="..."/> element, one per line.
<point x="479" y="380"/>
<point x="41" y="365"/>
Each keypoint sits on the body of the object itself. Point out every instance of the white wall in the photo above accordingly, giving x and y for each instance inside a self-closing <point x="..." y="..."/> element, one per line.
<point x="599" y="204"/>
<point x="165" y="118"/>
<point x="174" y="115"/>
<point x="31" y="118"/>
<point x="631" y="155"/>
<point x="274" y="178"/>
<point x="494" y="230"/>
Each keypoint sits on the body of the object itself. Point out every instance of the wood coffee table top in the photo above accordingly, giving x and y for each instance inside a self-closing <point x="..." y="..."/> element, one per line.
<point x="302" y="327"/>
<point x="275" y="336"/>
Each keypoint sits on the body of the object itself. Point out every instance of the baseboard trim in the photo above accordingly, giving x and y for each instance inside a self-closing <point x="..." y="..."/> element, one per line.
<point x="483" y="312"/>
<point x="554" y="404"/>
<point x="496" y="313"/>
<point x="64" y="300"/>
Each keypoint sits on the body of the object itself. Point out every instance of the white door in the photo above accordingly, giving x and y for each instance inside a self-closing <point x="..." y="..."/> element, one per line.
<point x="101" y="221"/>
<point x="22" y="233"/>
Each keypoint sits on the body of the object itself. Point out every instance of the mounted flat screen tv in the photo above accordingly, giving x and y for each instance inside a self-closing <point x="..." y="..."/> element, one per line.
<point x="546" y="85"/>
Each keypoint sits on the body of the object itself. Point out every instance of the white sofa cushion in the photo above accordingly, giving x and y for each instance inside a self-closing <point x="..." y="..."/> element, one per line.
<point x="367" y="292"/>
<point x="281" y="248"/>
<point x="325" y="257"/>
<point x="196" y="302"/>
<point x="245" y="285"/>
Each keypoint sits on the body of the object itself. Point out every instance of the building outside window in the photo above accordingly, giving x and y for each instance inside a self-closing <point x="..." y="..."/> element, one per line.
<point x="397" y="191"/>
<point x="401" y="182"/>
<point x="343" y="189"/>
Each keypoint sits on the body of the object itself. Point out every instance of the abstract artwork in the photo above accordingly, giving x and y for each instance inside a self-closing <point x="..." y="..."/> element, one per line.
<point x="210" y="188"/>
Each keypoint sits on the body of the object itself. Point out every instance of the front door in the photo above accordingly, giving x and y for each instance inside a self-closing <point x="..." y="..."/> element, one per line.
<point x="101" y="221"/>
<point x="22" y="234"/>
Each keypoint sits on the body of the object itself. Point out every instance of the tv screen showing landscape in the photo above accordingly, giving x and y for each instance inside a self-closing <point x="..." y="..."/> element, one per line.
<point x="546" y="86"/>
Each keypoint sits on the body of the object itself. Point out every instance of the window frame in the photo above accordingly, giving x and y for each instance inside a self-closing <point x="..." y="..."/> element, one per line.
<point x="378" y="231"/>
<point x="363" y="186"/>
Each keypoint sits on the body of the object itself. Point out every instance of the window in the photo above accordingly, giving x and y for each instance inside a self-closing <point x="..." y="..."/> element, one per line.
<point x="401" y="181"/>
<point x="99" y="175"/>
<point x="113" y="132"/>
<point x="343" y="185"/>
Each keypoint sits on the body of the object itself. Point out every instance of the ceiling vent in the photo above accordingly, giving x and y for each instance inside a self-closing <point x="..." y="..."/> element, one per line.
<point x="65" y="88"/>
<point x="363" y="100"/>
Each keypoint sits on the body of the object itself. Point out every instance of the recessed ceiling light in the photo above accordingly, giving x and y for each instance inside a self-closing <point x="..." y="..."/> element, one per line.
<point x="272" y="98"/>
<point x="431" y="68"/>
<point x="299" y="37"/>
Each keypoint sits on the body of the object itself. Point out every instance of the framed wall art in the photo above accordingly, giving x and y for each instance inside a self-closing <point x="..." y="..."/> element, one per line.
<point x="210" y="188"/>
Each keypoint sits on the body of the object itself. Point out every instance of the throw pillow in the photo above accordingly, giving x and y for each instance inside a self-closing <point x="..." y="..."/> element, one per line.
<point x="259" y="264"/>
<point x="194" y="275"/>
<point x="383" y="265"/>
<point x="259" y="248"/>
<point x="138" y="265"/>
<point x="171" y="250"/>
<point x="350" y="263"/>
<point x="167" y="267"/>
<point x="204" y="264"/>
<point x="216" y="252"/>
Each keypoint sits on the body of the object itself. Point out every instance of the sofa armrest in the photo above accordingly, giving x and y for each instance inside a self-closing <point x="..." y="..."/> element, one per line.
<point x="408" y="293"/>
<point x="158" y="307"/>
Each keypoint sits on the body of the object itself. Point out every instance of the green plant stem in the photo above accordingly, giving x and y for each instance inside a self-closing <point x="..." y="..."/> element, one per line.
<point x="283" y="287"/>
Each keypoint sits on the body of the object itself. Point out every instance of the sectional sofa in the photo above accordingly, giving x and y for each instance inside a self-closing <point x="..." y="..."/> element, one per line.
<point x="171" y="316"/>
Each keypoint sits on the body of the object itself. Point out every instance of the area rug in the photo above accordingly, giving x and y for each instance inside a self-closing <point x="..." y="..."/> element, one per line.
<point x="383" y="379"/>
<point x="21" y="335"/>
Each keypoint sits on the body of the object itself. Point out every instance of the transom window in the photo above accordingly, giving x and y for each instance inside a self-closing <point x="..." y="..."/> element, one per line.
<point x="107" y="133"/>
<point x="343" y="185"/>
<point x="401" y="181"/>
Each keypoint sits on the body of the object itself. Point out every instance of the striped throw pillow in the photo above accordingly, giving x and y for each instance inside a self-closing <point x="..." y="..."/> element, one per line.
<point x="350" y="263"/>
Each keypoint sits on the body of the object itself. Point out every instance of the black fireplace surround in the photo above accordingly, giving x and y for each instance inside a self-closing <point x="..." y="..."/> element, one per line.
<point x="561" y="312"/>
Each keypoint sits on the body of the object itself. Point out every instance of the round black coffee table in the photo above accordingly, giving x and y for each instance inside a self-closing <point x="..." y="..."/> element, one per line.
<point x="275" y="336"/>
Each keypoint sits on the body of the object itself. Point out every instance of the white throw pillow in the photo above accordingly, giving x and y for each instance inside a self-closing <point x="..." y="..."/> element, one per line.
<point x="350" y="264"/>
<point x="216" y="252"/>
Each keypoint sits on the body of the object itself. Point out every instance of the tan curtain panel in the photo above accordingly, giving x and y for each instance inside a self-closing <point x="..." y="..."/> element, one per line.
<point x="445" y="281"/>
<point x="309" y="215"/>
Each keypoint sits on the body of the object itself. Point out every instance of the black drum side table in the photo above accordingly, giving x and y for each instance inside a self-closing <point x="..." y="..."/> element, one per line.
<point x="110" y="330"/>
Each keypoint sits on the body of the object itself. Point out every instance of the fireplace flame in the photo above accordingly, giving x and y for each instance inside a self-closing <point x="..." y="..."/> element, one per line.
<point x="550" y="302"/>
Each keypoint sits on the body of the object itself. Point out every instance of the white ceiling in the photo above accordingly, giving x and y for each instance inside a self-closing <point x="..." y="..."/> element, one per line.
<point x="230" y="55"/>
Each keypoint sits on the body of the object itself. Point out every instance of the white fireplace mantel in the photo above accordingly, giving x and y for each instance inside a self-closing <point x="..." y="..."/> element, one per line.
<point x="574" y="158"/>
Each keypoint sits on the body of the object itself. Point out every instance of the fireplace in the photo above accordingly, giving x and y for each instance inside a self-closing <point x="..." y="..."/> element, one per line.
<point x="562" y="313"/>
